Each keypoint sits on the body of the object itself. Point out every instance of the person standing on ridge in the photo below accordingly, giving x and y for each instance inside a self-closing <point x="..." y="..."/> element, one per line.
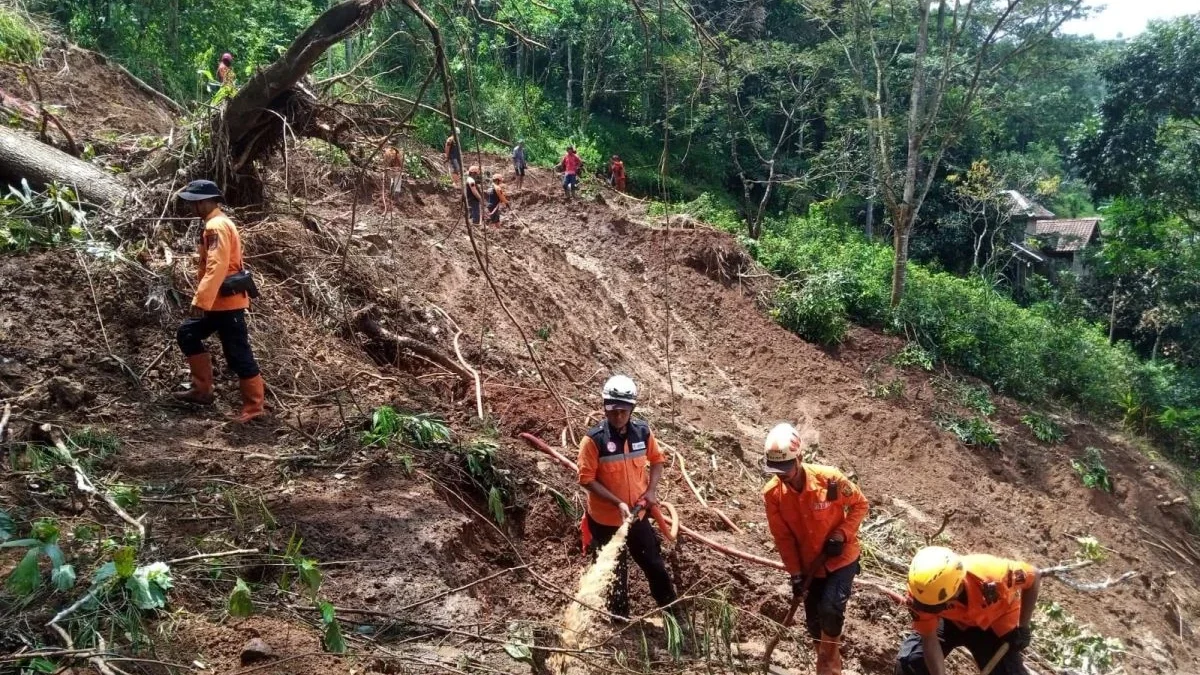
<point x="474" y="196"/>
<point x="980" y="602"/>
<point x="814" y="513"/>
<point x="496" y="199"/>
<point x="225" y="74"/>
<point x="570" y="166"/>
<point x="219" y="306"/>
<point x="393" y="172"/>
<point x="617" y="170"/>
<point x="519" y="164"/>
<point x="612" y="468"/>
<point x="453" y="157"/>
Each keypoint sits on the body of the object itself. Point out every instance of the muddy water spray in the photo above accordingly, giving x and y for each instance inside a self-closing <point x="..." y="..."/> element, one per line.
<point x="593" y="586"/>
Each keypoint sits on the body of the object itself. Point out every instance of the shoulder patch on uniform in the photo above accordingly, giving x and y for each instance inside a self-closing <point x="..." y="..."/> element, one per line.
<point x="211" y="240"/>
<point x="847" y="489"/>
<point x="1018" y="577"/>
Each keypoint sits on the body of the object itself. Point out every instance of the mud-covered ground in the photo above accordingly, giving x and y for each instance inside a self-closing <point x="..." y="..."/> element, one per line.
<point x="597" y="286"/>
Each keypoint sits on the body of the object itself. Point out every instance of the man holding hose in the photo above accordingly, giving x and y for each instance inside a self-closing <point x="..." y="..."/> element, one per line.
<point x="612" y="467"/>
<point x="814" y="513"/>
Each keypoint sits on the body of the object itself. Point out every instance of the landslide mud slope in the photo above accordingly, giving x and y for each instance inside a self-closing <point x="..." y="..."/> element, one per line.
<point x="598" y="287"/>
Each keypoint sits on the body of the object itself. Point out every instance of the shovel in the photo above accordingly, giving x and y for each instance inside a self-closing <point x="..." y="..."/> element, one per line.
<point x="790" y="619"/>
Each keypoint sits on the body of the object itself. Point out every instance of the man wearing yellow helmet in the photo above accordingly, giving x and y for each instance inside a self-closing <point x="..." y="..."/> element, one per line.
<point x="979" y="602"/>
<point x="814" y="513"/>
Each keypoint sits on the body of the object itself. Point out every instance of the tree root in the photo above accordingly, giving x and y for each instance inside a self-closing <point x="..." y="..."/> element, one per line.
<point x="363" y="320"/>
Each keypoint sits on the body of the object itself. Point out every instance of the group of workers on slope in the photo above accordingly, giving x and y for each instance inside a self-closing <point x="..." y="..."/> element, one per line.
<point x="978" y="602"/>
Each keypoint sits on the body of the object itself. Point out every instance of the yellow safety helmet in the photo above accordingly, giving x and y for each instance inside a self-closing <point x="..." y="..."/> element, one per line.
<point x="935" y="575"/>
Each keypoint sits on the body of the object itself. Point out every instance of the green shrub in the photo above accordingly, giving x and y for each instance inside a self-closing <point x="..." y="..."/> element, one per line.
<point x="913" y="355"/>
<point x="1044" y="428"/>
<point x="19" y="40"/>
<point x="972" y="431"/>
<point x="814" y="310"/>
<point x="1092" y="471"/>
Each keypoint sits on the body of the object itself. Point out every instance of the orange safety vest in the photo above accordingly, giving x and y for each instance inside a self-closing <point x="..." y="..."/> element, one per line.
<point x="993" y="596"/>
<point x="800" y="522"/>
<point x="220" y="256"/>
<point x="620" y="466"/>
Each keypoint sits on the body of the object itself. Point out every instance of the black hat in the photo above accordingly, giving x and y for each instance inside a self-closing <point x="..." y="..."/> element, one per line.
<point x="199" y="190"/>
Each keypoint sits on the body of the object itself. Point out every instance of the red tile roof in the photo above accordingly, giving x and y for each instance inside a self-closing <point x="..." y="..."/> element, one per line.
<point x="1064" y="236"/>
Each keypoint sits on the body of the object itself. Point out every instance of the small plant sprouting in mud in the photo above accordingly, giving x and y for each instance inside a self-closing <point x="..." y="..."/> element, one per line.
<point x="914" y="355"/>
<point x="1092" y="471"/>
<point x="1066" y="644"/>
<point x="491" y="480"/>
<point x="26" y="577"/>
<point x="972" y="431"/>
<point x="240" y="605"/>
<point x="1089" y="549"/>
<point x="543" y="333"/>
<point x="674" y="635"/>
<point x="308" y="575"/>
<point x="893" y="389"/>
<point x="1044" y="428"/>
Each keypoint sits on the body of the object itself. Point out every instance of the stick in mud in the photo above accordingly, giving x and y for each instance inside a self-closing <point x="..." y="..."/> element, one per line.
<point x="593" y="588"/>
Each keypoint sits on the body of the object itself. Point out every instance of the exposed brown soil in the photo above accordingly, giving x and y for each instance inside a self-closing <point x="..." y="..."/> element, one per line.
<point x="597" y="286"/>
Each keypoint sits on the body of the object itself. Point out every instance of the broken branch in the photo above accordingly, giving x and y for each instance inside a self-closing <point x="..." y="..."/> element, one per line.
<point x="85" y="484"/>
<point x="717" y="512"/>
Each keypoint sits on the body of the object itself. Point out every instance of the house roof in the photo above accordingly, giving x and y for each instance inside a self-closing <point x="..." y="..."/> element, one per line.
<point x="1064" y="236"/>
<point x="1023" y="206"/>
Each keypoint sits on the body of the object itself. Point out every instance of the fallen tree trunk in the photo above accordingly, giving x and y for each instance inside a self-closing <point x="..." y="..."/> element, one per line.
<point x="364" y="321"/>
<point x="41" y="164"/>
<point x="252" y="119"/>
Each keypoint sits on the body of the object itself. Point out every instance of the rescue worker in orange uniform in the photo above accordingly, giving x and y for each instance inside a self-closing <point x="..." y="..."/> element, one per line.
<point x="814" y="513"/>
<point x="219" y="306"/>
<point x="393" y="174"/>
<point x="617" y="170"/>
<point x="612" y="467"/>
<point x="979" y="602"/>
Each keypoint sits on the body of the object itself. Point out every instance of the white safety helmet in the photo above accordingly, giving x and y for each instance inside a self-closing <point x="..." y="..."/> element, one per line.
<point x="782" y="449"/>
<point x="619" y="392"/>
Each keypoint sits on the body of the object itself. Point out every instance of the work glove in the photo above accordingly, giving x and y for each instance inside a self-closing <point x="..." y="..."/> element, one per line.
<point x="833" y="548"/>
<point x="1020" y="638"/>
<point x="797" y="585"/>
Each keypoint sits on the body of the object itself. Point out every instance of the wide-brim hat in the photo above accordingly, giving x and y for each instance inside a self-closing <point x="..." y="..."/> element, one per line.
<point x="199" y="190"/>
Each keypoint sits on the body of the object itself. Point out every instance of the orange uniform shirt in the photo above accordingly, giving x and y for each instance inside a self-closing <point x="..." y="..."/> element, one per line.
<point x="800" y="522"/>
<point x="623" y="473"/>
<point x="220" y="256"/>
<point x="225" y="75"/>
<point x="993" y="598"/>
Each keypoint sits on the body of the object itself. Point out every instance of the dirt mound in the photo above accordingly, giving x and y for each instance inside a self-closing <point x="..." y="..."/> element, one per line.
<point x="96" y="103"/>
<point x="595" y="288"/>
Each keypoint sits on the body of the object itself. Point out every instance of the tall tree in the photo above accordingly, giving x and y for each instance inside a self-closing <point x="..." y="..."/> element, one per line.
<point x="950" y="60"/>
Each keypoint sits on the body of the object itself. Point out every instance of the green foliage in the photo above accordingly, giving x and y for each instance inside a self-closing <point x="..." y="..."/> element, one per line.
<point x="815" y="310"/>
<point x="894" y="389"/>
<point x="1089" y="549"/>
<point x="32" y="220"/>
<point x="913" y="355"/>
<point x="493" y="482"/>
<point x="1044" y="428"/>
<point x="148" y="586"/>
<point x="20" y="40"/>
<point x="1066" y="644"/>
<point x="420" y="430"/>
<point x="972" y="431"/>
<point x="331" y="638"/>
<point x="543" y="333"/>
<point x="26" y="577"/>
<point x="520" y="640"/>
<point x="99" y="443"/>
<point x="1092" y="471"/>
<point x="674" y="635"/>
<point x="240" y="604"/>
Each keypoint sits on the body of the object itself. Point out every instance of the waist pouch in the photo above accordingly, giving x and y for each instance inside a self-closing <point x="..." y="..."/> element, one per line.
<point x="239" y="282"/>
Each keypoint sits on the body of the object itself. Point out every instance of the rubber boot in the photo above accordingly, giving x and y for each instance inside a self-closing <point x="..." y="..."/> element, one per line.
<point x="201" y="392"/>
<point x="822" y="649"/>
<point x="834" y="655"/>
<point x="252" y="399"/>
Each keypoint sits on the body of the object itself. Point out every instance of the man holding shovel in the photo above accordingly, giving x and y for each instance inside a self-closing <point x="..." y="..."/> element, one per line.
<point x="979" y="602"/>
<point x="814" y="513"/>
<point x="613" y="458"/>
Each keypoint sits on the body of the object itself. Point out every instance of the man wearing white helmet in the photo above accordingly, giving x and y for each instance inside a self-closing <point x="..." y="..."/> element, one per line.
<point x="814" y="513"/>
<point x="612" y="467"/>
